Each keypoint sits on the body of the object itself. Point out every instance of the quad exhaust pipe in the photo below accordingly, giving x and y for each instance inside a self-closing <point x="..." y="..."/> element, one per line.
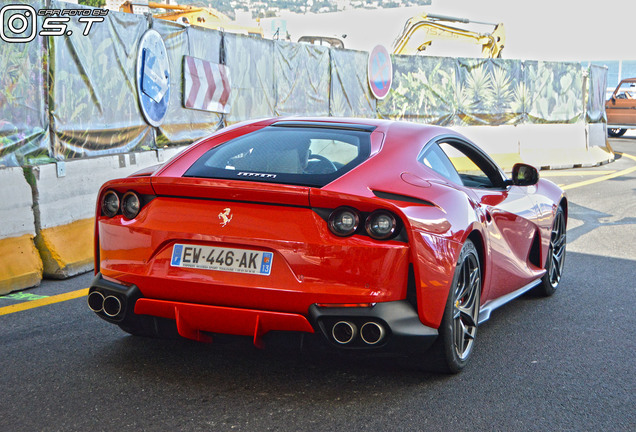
<point x="110" y="305"/>
<point x="372" y="333"/>
<point x="96" y="301"/>
<point x="345" y="332"/>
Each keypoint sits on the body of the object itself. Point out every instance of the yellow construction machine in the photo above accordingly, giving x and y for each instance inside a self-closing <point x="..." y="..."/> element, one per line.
<point x="421" y="30"/>
<point x="192" y="15"/>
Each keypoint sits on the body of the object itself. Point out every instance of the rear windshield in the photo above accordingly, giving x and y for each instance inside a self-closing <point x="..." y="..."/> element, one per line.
<point x="304" y="156"/>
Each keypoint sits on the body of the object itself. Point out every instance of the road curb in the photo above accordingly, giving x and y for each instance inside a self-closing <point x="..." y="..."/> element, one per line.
<point x="47" y="214"/>
<point x="21" y="266"/>
<point x="65" y="194"/>
<point x="20" y="263"/>
<point x="66" y="250"/>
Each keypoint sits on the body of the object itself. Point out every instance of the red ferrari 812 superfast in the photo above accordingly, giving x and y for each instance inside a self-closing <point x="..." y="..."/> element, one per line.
<point x="377" y="235"/>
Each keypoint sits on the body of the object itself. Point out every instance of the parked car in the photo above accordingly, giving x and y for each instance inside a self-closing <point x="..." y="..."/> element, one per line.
<point x="621" y="108"/>
<point x="376" y="235"/>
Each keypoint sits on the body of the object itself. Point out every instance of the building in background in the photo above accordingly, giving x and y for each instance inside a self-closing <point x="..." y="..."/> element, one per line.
<point x="616" y="71"/>
<point x="113" y="4"/>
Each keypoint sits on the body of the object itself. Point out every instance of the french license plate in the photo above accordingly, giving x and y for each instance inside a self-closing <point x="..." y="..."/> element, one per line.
<point x="222" y="259"/>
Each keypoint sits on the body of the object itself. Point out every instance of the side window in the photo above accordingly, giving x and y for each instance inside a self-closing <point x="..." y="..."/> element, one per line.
<point x="627" y="90"/>
<point x="461" y="163"/>
<point x="471" y="175"/>
<point x="436" y="159"/>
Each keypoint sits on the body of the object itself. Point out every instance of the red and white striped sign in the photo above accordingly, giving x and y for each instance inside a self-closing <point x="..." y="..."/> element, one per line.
<point x="207" y="85"/>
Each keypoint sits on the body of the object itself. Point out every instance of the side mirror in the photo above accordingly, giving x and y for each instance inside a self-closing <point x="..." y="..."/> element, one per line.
<point x="524" y="175"/>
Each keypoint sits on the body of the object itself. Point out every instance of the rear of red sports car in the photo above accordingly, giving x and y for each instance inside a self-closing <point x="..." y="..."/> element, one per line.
<point x="295" y="226"/>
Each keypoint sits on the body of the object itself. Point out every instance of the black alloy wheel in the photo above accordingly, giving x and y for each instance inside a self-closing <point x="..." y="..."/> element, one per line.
<point x="616" y="132"/>
<point x="556" y="256"/>
<point x="458" y="330"/>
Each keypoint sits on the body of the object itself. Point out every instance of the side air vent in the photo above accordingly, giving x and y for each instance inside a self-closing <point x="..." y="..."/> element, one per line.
<point x="403" y="198"/>
<point x="411" y="293"/>
<point x="535" y="252"/>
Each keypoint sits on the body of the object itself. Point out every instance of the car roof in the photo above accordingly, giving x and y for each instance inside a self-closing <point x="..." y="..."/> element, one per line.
<point x="397" y="138"/>
<point x="397" y="133"/>
<point x="392" y="127"/>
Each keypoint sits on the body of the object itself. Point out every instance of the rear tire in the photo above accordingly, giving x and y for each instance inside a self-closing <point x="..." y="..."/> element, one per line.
<point x="556" y="257"/>
<point x="453" y="347"/>
<point x="616" y="132"/>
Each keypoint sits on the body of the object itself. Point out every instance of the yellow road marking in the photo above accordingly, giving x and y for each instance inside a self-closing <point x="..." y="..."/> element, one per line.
<point x="43" y="302"/>
<point x="627" y="155"/>
<point x="605" y="177"/>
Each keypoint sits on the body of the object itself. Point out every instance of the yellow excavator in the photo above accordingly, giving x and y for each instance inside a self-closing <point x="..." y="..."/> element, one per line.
<point x="421" y="30"/>
<point x="192" y="15"/>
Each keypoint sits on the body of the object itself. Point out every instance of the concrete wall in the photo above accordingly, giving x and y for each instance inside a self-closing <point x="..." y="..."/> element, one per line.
<point x="47" y="215"/>
<point x="548" y="146"/>
<point x="20" y="263"/>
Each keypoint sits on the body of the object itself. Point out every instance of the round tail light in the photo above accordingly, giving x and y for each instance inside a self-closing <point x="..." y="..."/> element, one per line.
<point x="381" y="224"/>
<point x="130" y="205"/>
<point x="110" y="204"/>
<point x="343" y="221"/>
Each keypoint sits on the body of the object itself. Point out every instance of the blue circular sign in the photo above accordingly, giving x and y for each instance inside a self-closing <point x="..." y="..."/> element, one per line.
<point x="380" y="72"/>
<point x="153" y="78"/>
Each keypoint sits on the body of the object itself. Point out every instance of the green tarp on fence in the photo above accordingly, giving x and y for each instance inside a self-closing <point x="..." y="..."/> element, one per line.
<point x="181" y="125"/>
<point x="24" y="121"/>
<point x="94" y="108"/>
<point x="350" y="94"/>
<point x="81" y="90"/>
<point x="251" y="64"/>
<point x="301" y="79"/>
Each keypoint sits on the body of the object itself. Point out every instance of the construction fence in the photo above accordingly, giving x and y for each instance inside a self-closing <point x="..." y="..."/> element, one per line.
<point x="68" y="97"/>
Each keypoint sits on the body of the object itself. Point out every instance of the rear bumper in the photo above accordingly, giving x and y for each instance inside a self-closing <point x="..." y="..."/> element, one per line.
<point x="404" y="332"/>
<point x="126" y="294"/>
<point x="194" y="321"/>
<point x="397" y="321"/>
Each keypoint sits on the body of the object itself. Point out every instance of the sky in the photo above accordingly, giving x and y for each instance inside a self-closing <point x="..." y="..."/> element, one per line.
<point x="559" y="30"/>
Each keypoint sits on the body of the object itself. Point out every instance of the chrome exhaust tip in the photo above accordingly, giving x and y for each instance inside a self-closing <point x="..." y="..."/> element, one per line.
<point x="112" y="306"/>
<point x="344" y="332"/>
<point x="372" y="333"/>
<point x="96" y="301"/>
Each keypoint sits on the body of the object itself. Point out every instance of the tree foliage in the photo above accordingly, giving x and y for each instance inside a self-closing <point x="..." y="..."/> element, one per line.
<point x="94" y="3"/>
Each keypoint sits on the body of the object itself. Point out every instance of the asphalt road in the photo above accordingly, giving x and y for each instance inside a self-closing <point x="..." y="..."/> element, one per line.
<point x="562" y="363"/>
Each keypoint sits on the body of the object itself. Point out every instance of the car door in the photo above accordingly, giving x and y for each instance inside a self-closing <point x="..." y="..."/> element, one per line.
<point x="507" y="213"/>
<point x="621" y="108"/>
